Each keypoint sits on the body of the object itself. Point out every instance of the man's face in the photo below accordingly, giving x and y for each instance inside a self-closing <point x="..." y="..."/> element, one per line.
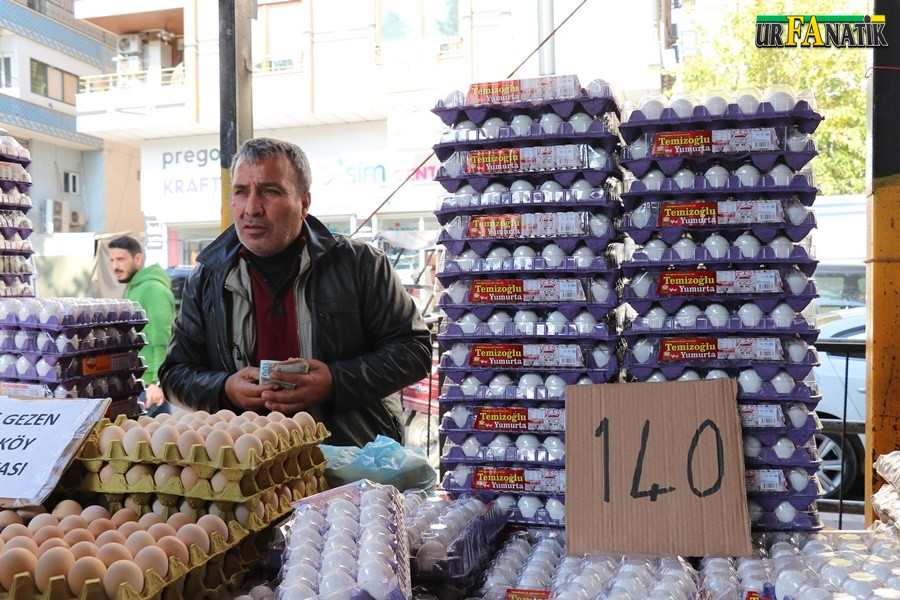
<point x="124" y="264"/>
<point x="267" y="207"/>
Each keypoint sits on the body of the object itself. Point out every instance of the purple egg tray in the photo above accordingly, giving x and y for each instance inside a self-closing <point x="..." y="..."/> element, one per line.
<point x="804" y="521"/>
<point x="670" y="326"/>
<point x="564" y="107"/>
<point x="763" y="160"/>
<point x="11" y="278"/>
<point x="798" y="435"/>
<point x="598" y="310"/>
<point x="69" y="323"/>
<point x="764" y="232"/>
<point x="486" y="437"/>
<point x="70" y="370"/>
<point x="767" y="395"/>
<point x="766" y="370"/>
<point x="598" y="375"/>
<point x="539" y="457"/>
<point x="8" y="231"/>
<point x="116" y="387"/>
<point x="801" y="115"/>
<point x="733" y="259"/>
<point x="15" y="158"/>
<point x="482" y="246"/>
<point x="766" y="302"/>
<point x="7" y="185"/>
<point x="452" y="393"/>
<point x="597" y="134"/>
<point x="541" y="517"/>
<point x="604" y="200"/>
<point x="806" y="457"/>
<point x="49" y="351"/>
<point x="543" y="481"/>
<point x="511" y="266"/>
<point x="17" y="249"/>
<point x="479" y="181"/>
<point x="509" y="420"/>
<point x="7" y="204"/>
<point x="801" y="501"/>
<point x="800" y="186"/>
<point x="451" y="333"/>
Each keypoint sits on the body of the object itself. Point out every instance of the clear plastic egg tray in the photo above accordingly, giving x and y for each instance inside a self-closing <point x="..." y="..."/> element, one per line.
<point x="801" y="186"/>
<point x="768" y="486"/>
<point x="449" y="538"/>
<point x="113" y="337"/>
<point x="886" y="504"/>
<point x="533" y="564"/>
<point x="734" y="257"/>
<point x="720" y="319"/>
<point x="568" y="361"/>
<point x="596" y="174"/>
<point x="768" y="422"/>
<point x="70" y="370"/>
<point x="603" y="199"/>
<point x="888" y="466"/>
<point x="542" y="451"/>
<point x="507" y="479"/>
<point x="474" y="392"/>
<point x="349" y="542"/>
<point x="585" y="328"/>
<point x="506" y="419"/>
<point x="65" y="314"/>
<point x="580" y="262"/>
<point x="567" y="229"/>
<point x="14" y="175"/>
<point x="528" y="314"/>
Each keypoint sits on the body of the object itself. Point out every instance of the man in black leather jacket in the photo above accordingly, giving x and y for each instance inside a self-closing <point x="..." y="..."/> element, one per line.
<point x="277" y="285"/>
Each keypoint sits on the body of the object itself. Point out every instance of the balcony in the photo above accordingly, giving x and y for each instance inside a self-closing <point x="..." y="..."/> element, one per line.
<point x="130" y="16"/>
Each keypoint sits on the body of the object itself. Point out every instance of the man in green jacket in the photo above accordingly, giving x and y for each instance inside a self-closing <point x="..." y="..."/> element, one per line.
<point x="152" y="289"/>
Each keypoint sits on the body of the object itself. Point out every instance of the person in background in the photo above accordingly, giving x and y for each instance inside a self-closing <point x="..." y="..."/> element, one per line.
<point x="278" y="285"/>
<point x="152" y="289"/>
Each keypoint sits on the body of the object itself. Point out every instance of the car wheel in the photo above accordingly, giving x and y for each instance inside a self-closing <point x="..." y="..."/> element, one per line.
<point x="830" y="475"/>
<point x="418" y="435"/>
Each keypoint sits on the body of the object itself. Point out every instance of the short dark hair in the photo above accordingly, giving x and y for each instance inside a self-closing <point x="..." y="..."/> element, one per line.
<point x="127" y="243"/>
<point x="258" y="148"/>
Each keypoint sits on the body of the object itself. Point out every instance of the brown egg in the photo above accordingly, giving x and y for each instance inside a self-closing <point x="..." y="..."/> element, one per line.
<point x="179" y="519"/>
<point x="107" y="435"/>
<point x="162" y="418"/>
<point x="213" y="419"/>
<point x="205" y="431"/>
<point x="197" y="424"/>
<point x="123" y="515"/>
<point x="138" y="472"/>
<point x="95" y="511"/>
<point x="110" y="553"/>
<point x="143" y="420"/>
<point x="17" y="560"/>
<point x="66" y="508"/>
<point x="187" y="440"/>
<point x="153" y="557"/>
<point x="249" y="427"/>
<point x="189" y="478"/>
<point x="110" y="536"/>
<point x="122" y="571"/>
<point x="138" y="540"/>
<point x="218" y="481"/>
<point x="106" y="474"/>
<point x="249" y="415"/>
<point x="227" y="415"/>
<point x="8" y="517"/>
<point x="261" y="421"/>
<point x="238" y="420"/>
<point x="243" y="514"/>
<point x="20" y="542"/>
<point x="215" y="441"/>
<point x="186" y="417"/>
<point x="291" y="425"/>
<point x="164" y="473"/>
<point x="130" y="503"/>
<point x="50" y="543"/>
<point x="267" y="435"/>
<point x="299" y="486"/>
<point x="151" y="519"/>
<point x="128" y="424"/>
<point x="132" y="437"/>
<point x="14" y="530"/>
<point x="82" y="549"/>
<point x="305" y="420"/>
<point x="162" y="436"/>
<point x="279" y="429"/>
<point x="130" y="527"/>
<point x="161" y="530"/>
<point x="152" y="427"/>
<point x="74" y="536"/>
<point x="221" y="426"/>
<point x="83" y="570"/>
<point x="54" y="562"/>
<point x="173" y="546"/>
<point x="212" y="523"/>
<point x="276" y="416"/>
<point x="235" y="432"/>
<point x="39" y="521"/>
<point x="99" y="525"/>
<point x="192" y="534"/>
<point x="182" y="427"/>
<point x="312" y="486"/>
<point x="247" y="444"/>
<point x="45" y="533"/>
<point x="71" y="522"/>
<point x="201" y="414"/>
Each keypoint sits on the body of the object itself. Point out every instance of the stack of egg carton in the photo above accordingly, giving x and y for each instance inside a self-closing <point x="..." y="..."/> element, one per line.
<point x="73" y="348"/>
<point x="529" y="224"/>
<point x="720" y="277"/>
<point x="16" y="264"/>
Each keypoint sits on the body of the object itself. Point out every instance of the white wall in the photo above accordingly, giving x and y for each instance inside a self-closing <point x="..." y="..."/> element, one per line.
<point x="49" y="161"/>
<point x="27" y="49"/>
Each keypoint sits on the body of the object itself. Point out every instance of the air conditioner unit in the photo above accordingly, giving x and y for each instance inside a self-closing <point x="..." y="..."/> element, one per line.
<point x="76" y="218"/>
<point x="130" y="44"/>
<point x="57" y="215"/>
<point x="129" y="65"/>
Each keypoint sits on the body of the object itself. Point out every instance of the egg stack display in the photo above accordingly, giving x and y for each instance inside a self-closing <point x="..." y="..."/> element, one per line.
<point x="528" y="219"/>
<point x="246" y="468"/>
<point x="721" y="275"/>
<point x="73" y="348"/>
<point x="16" y="264"/>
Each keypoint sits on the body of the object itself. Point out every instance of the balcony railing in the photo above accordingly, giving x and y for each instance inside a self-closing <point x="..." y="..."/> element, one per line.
<point x="121" y="81"/>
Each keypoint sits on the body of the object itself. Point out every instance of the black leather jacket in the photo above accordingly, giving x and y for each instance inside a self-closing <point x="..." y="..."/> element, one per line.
<point x="365" y="328"/>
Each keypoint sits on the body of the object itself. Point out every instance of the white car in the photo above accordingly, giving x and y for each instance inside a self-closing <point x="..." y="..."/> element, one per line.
<point x="847" y="324"/>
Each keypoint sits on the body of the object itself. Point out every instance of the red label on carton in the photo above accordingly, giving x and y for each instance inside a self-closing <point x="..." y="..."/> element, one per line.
<point x="673" y="214"/>
<point x="497" y="355"/>
<point x="499" y="160"/>
<point x="751" y="596"/>
<point x="103" y="364"/>
<point x="683" y="283"/>
<point x="682" y="143"/>
<point x="495" y="226"/>
<point x="502" y="419"/>
<point x="508" y="480"/>
<point x="498" y="290"/>
<point x="688" y="349"/>
<point x="512" y="594"/>
<point x="495" y="92"/>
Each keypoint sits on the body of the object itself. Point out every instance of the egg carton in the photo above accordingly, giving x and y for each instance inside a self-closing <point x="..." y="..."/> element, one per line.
<point x="67" y="345"/>
<point x="733" y="258"/>
<point x="482" y="311"/>
<point x="763" y="160"/>
<point x="540" y="292"/>
<point x="205" y="466"/>
<point x="74" y="371"/>
<point x="486" y="437"/>
<point x="97" y="386"/>
<point x="449" y="332"/>
<point x="461" y="267"/>
<point x="790" y="353"/>
<point x="782" y="482"/>
<point x="803" y="521"/>
<point x="15" y="200"/>
<point x="603" y="199"/>
<point x="680" y="326"/>
<point x="55" y="314"/>
<point x="16" y="291"/>
<point x="432" y="558"/>
<point x="314" y="513"/>
<point x="12" y="151"/>
<point x="798" y="392"/>
<point x="595" y="175"/>
<point x="504" y="419"/>
<point x="452" y="394"/>
<point x="570" y="370"/>
<point x="128" y="407"/>
<point x="155" y="586"/>
<point x="805" y="455"/>
<point x="525" y="159"/>
<point x="800" y="501"/>
<point x="454" y="454"/>
<point x="14" y="247"/>
<point x="7" y="185"/>
<point x="801" y="186"/>
<point x="769" y="422"/>
<point x="567" y="244"/>
<point x="457" y="374"/>
<point x="704" y="296"/>
<point x="598" y="103"/>
<point x="511" y="479"/>
<point x="528" y="515"/>
<point x="802" y="115"/>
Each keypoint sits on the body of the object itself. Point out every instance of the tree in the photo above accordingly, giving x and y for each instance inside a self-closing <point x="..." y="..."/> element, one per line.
<point x="729" y="60"/>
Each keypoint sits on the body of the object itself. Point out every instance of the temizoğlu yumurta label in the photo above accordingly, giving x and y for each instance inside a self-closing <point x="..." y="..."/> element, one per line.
<point x="520" y="419"/>
<point x="728" y="212"/>
<point x="525" y="355"/>
<point x="710" y="348"/>
<point x="718" y="141"/>
<point x="704" y="283"/>
<point x="506" y="291"/>
<point x="549" y="481"/>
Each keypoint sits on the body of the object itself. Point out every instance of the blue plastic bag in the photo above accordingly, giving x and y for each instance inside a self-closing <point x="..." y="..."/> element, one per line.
<point x="382" y="460"/>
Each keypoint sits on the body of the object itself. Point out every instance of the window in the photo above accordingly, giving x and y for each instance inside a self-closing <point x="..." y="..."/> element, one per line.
<point x="403" y="22"/>
<point x="52" y="82"/>
<point x="276" y="45"/>
<point x="71" y="182"/>
<point x="6" y="71"/>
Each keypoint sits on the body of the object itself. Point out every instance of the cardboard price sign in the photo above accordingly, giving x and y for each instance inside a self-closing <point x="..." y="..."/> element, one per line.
<point x="656" y="468"/>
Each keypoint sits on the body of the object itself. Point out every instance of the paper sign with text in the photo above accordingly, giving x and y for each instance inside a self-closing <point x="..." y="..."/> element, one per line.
<point x="657" y="468"/>
<point x="38" y="440"/>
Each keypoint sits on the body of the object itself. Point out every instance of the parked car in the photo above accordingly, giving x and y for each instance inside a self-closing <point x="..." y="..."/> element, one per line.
<point x="178" y="275"/>
<point x="841" y="285"/>
<point x="846" y="324"/>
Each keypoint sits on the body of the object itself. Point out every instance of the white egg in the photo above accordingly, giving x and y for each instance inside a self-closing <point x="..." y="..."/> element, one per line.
<point x="717" y="315"/>
<point x="748" y="102"/>
<point x="550" y="187"/>
<point x="556" y="386"/>
<point x="749" y="381"/>
<point x="789" y="581"/>
<point x="716" y="245"/>
<point x="529" y="381"/>
<point x="781" y="246"/>
<point x="796" y="281"/>
<point x="600" y="290"/>
<point x="583" y="256"/>
<point x="556" y="509"/>
<point x="553" y="255"/>
<point x="639" y="148"/>
<point x="689" y="375"/>
<point x="655" y="317"/>
<point x="585" y="321"/>
<point x="44" y="368"/>
<point x="783" y="315"/>
<point x="599" y="225"/>
<point x="684" y="178"/>
<point x="556" y="448"/>
<point x="581" y="122"/>
<point x="654" y="249"/>
<point x="521" y="124"/>
<point x="687" y="315"/>
<point x="494" y="258"/>
<point x="781" y="174"/>
<point x="584" y="380"/>
<point x="653" y="180"/>
<point x="748" y="244"/>
<point x="464" y="125"/>
<point x="781" y="101"/>
<point x="528" y="506"/>
<point x="556" y="322"/>
<point x="468" y="322"/>
<point x="469" y="385"/>
<point x="716" y="105"/>
<point x="796" y="212"/>
<point x="748" y="174"/>
<point x="784" y="448"/>
<point x="642" y="350"/>
<point x="640" y="285"/>
<point x="497" y="321"/>
<point x="491" y="126"/>
<point x="499" y="383"/>
<point x="785" y="512"/>
<point x="752" y="446"/>
<point x="750" y="314"/>
<point x="656" y="377"/>
<point x="458" y="291"/>
<point x="460" y="415"/>
<point x="22" y="365"/>
<point x="467" y="259"/>
<point x="521" y="185"/>
<point x="685" y="248"/>
<point x="798" y="479"/>
<point x="524" y="252"/>
<point x="526" y="316"/>
<point x="498" y="445"/>
<point x="582" y="189"/>
<point x="796" y="350"/>
<point x="641" y="215"/>
<point x="782" y="382"/>
<point x="550" y="122"/>
<point x="527" y="441"/>
<point x="716" y="175"/>
<point x="601" y="355"/>
<point x="683" y="107"/>
<point x="717" y="374"/>
<point x="505" y="501"/>
<point x="459" y="354"/>
<point x="335" y="582"/>
<point x="798" y="414"/>
<point x="51" y="309"/>
<point x="797" y="140"/>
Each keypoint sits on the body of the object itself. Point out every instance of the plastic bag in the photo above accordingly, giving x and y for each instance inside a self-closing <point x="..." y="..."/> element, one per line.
<point x="382" y="460"/>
